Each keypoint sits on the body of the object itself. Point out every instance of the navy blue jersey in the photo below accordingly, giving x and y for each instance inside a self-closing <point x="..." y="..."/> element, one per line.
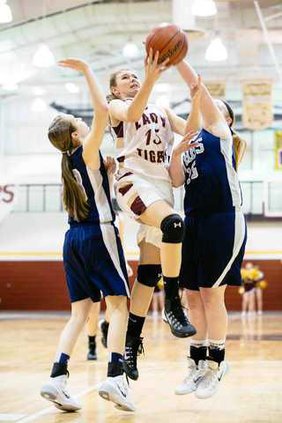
<point x="211" y="181"/>
<point x="95" y="184"/>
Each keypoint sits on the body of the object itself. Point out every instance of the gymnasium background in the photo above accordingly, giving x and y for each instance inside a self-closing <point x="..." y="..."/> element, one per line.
<point x="243" y="66"/>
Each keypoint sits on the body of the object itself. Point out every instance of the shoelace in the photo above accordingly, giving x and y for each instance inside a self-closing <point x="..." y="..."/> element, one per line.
<point x="178" y="312"/>
<point x="210" y="379"/>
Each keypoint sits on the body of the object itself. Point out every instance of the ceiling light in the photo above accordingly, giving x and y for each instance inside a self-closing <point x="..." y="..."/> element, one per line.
<point x="72" y="88"/>
<point x="216" y="51"/>
<point x="204" y="8"/>
<point x="38" y="91"/>
<point x="43" y="57"/>
<point x="38" y="105"/>
<point x="5" y="12"/>
<point x="130" y="50"/>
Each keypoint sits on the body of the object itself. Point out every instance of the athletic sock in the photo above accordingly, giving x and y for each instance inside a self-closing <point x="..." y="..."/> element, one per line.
<point x="171" y="286"/>
<point x="60" y="367"/>
<point x="115" y="367"/>
<point x="135" y="325"/>
<point x="216" y="350"/>
<point x="198" y="350"/>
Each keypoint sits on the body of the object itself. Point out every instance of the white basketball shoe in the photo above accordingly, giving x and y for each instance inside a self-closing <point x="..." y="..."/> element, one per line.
<point x="195" y="375"/>
<point x="55" y="391"/>
<point x="208" y="385"/>
<point x="116" y="389"/>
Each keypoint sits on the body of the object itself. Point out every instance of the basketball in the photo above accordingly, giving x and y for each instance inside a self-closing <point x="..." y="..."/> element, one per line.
<point x="170" y="41"/>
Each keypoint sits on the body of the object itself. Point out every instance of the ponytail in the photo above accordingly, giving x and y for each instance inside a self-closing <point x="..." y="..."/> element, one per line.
<point x="239" y="148"/>
<point x="74" y="197"/>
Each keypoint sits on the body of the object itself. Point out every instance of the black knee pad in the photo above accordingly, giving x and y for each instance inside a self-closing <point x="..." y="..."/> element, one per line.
<point x="149" y="274"/>
<point x="173" y="229"/>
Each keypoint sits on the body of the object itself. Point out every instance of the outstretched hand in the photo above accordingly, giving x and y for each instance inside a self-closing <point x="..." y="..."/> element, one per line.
<point x="185" y="143"/>
<point x="196" y="89"/>
<point x="153" y="70"/>
<point x="76" y="64"/>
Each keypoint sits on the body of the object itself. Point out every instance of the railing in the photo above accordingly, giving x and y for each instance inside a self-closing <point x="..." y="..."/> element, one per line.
<point x="261" y="199"/>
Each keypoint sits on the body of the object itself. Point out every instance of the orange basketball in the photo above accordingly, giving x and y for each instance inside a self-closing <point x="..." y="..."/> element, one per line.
<point x="170" y="41"/>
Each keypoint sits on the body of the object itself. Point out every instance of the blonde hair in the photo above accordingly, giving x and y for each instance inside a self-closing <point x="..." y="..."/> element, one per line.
<point x="239" y="144"/>
<point x="113" y="83"/>
<point x="74" y="200"/>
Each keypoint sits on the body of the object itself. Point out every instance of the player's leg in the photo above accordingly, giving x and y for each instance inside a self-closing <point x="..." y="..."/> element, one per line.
<point x="217" y="322"/>
<point x="115" y="388"/>
<point x="55" y="389"/>
<point x="161" y="215"/>
<point x="148" y="275"/>
<point x="197" y="355"/>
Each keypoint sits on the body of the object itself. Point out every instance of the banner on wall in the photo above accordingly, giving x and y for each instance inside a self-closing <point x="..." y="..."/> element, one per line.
<point x="7" y="199"/>
<point x="257" y="104"/>
<point x="216" y="89"/>
<point x="278" y="150"/>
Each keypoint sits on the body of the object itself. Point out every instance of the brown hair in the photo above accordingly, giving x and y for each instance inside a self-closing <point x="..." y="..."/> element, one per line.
<point x="74" y="199"/>
<point x="113" y="83"/>
<point x="239" y="144"/>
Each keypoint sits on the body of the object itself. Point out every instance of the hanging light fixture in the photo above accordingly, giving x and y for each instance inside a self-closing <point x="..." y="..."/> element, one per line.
<point x="43" y="57"/>
<point x="204" y="8"/>
<point x="38" y="105"/>
<point x="5" y="12"/>
<point x="216" y="51"/>
<point x="72" y="88"/>
<point x="130" y="50"/>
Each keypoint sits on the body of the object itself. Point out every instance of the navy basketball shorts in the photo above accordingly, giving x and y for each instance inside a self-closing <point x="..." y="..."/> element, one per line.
<point x="213" y="250"/>
<point x="94" y="262"/>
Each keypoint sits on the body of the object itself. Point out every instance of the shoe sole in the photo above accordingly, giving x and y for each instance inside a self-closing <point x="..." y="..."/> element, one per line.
<point x="112" y="397"/>
<point x="184" y="393"/>
<point x="51" y="396"/>
<point x="181" y="334"/>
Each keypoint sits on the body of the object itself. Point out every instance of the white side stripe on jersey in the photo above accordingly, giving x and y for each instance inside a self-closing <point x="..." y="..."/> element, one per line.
<point x="110" y="241"/>
<point x="239" y="236"/>
<point x="226" y="146"/>
<point x="101" y="199"/>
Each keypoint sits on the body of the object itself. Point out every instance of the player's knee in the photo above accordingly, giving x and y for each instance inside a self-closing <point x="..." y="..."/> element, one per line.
<point x="149" y="274"/>
<point x="173" y="229"/>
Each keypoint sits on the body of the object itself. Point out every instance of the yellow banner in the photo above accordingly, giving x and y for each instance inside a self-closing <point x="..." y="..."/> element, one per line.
<point x="257" y="104"/>
<point x="216" y="88"/>
<point x="278" y="150"/>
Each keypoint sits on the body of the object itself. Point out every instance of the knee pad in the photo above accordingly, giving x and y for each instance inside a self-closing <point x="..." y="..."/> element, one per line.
<point x="149" y="274"/>
<point x="173" y="229"/>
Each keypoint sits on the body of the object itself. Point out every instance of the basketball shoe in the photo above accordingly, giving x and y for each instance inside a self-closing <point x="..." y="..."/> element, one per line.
<point x="209" y="383"/>
<point x="55" y="391"/>
<point x="195" y="375"/>
<point x="116" y="389"/>
<point x="133" y="348"/>
<point x="177" y="320"/>
<point x="104" y="326"/>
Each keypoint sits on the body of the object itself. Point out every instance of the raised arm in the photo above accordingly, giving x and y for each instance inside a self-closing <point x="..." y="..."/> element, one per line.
<point x="213" y="119"/>
<point x="120" y="111"/>
<point x="95" y="136"/>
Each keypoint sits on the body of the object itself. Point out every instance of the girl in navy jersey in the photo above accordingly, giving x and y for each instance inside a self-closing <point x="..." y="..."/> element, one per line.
<point x="215" y="235"/>
<point x="92" y="253"/>
<point x="144" y="134"/>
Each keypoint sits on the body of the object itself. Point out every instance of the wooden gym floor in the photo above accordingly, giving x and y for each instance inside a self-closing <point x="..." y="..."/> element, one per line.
<point x="250" y="392"/>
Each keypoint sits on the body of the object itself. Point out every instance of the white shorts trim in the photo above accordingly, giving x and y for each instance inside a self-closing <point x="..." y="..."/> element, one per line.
<point x="240" y="229"/>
